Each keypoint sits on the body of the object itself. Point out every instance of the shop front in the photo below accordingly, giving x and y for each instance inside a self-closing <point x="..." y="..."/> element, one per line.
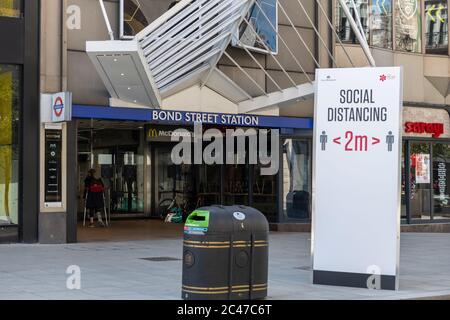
<point x="425" y="165"/>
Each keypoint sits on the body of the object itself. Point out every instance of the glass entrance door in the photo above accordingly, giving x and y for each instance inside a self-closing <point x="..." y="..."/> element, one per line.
<point x="441" y="167"/>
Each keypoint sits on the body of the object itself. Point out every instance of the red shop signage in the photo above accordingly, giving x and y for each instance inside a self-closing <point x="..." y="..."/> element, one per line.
<point x="435" y="129"/>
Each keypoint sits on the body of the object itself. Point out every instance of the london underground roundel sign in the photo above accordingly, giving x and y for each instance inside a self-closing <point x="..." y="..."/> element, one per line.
<point x="61" y="107"/>
<point x="58" y="107"/>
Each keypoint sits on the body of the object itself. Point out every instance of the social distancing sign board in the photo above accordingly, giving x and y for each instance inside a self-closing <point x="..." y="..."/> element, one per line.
<point x="356" y="180"/>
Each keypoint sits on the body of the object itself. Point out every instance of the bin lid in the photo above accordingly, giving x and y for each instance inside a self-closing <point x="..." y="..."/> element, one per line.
<point x="225" y="219"/>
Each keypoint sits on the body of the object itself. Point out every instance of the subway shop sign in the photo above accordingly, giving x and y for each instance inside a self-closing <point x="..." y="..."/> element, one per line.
<point x="356" y="180"/>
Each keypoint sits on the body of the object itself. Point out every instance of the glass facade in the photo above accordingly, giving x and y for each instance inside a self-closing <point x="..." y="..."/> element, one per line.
<point x="11" y="8"/>
<point x="408" y="26"/>
<point x="344" y="30"/>
<point x="10" y="104"/>
<point x="381" y="24"/>
<point x="296" y="179"/>
<point x="263" y="18"/>
<point x="416" y="26"/>
<point x="436" y="33"/>
<point x="117" y="157"/>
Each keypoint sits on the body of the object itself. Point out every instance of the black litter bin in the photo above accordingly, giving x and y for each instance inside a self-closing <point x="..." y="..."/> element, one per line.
<point x="225" y="254"/>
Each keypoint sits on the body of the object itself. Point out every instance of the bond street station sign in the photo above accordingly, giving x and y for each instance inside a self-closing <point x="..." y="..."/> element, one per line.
<point x="356" y="217"/>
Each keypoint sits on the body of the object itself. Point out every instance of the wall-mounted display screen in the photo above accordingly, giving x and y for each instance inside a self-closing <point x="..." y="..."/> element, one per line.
<point x="135" y="15"/>
<point x="53" y="146"/>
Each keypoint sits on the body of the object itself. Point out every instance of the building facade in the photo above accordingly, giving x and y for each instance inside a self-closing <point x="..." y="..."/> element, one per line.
<point x="412" y="34"/>
<point x="129" y="144"/>
<point x="19" y="127"/>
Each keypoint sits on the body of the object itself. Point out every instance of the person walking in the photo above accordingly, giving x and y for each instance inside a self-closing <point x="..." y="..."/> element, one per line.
<point x="93" y="193"/>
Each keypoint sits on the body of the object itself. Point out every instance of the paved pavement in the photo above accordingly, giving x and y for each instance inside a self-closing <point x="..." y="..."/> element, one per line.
<point x="116" y="270"/>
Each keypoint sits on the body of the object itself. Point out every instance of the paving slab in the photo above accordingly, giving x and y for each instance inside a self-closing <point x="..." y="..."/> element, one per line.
<point x="116" y="270"/>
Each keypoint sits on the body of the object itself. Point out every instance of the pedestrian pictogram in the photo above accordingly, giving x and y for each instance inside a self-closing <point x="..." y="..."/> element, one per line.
<point x="323" y="140"/>
<point x="390" y="140"/>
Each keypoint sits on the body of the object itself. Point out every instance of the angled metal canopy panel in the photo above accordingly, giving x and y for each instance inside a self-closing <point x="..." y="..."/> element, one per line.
<point x="278" y="98"/>
<point x="179" y="49"/>
<point x="119" y="65"/>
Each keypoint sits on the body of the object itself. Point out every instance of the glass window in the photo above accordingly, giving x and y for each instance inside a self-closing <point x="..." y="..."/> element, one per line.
<point x="403" y="191"/>
<point x="236" y="185"/>
<point x="441" y="167"/>
<point x="381" y="24"/>
<point x="345" y="31"/>
<point x="408" y="26"/>
<point x="265" y="193"/>
<point x="10" y="8"/>
<point x="138" y="14"/>
<point x="436" y="34"/>
<point x="208" y="190"/>
<point x="10" y="88"/>
<point x="263" y="17"/>
<point x="296" y="179"/>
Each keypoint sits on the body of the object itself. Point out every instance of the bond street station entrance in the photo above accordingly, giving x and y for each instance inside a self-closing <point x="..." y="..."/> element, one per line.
<point x="133" y="161"/>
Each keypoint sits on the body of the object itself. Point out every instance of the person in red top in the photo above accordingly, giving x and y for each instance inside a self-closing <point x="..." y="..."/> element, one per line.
<point x="93" y="192"/>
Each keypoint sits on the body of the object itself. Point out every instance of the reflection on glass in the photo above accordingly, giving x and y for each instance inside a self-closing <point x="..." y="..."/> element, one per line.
<point x="441" y="166"/>
<point x="436" y="36"/>
<point x="208" y="185"/>
<point x="117" y="157"/>
<point x="263" y="22"/>
<point x="265" y="194"/>
<point x="420" y="181"/>
<point x="403" y="192"/>
<point x="344" y="29"/>
<point x="10" y="8"/>
<point x="408" y="26"/>
<point x="296" y="179"/>
<point x="9" y="143"/>
<point x="236" y="185"/>
<point x="174" y="182"/>
<point x="381" y="24"/>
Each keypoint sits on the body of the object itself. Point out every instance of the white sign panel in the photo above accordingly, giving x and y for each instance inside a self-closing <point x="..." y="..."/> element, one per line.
<point x="61" y="107"/>
<point x="356" y="187"/>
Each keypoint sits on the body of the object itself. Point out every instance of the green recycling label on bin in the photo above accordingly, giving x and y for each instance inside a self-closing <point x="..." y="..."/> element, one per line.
<point x="197" y="222"/>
